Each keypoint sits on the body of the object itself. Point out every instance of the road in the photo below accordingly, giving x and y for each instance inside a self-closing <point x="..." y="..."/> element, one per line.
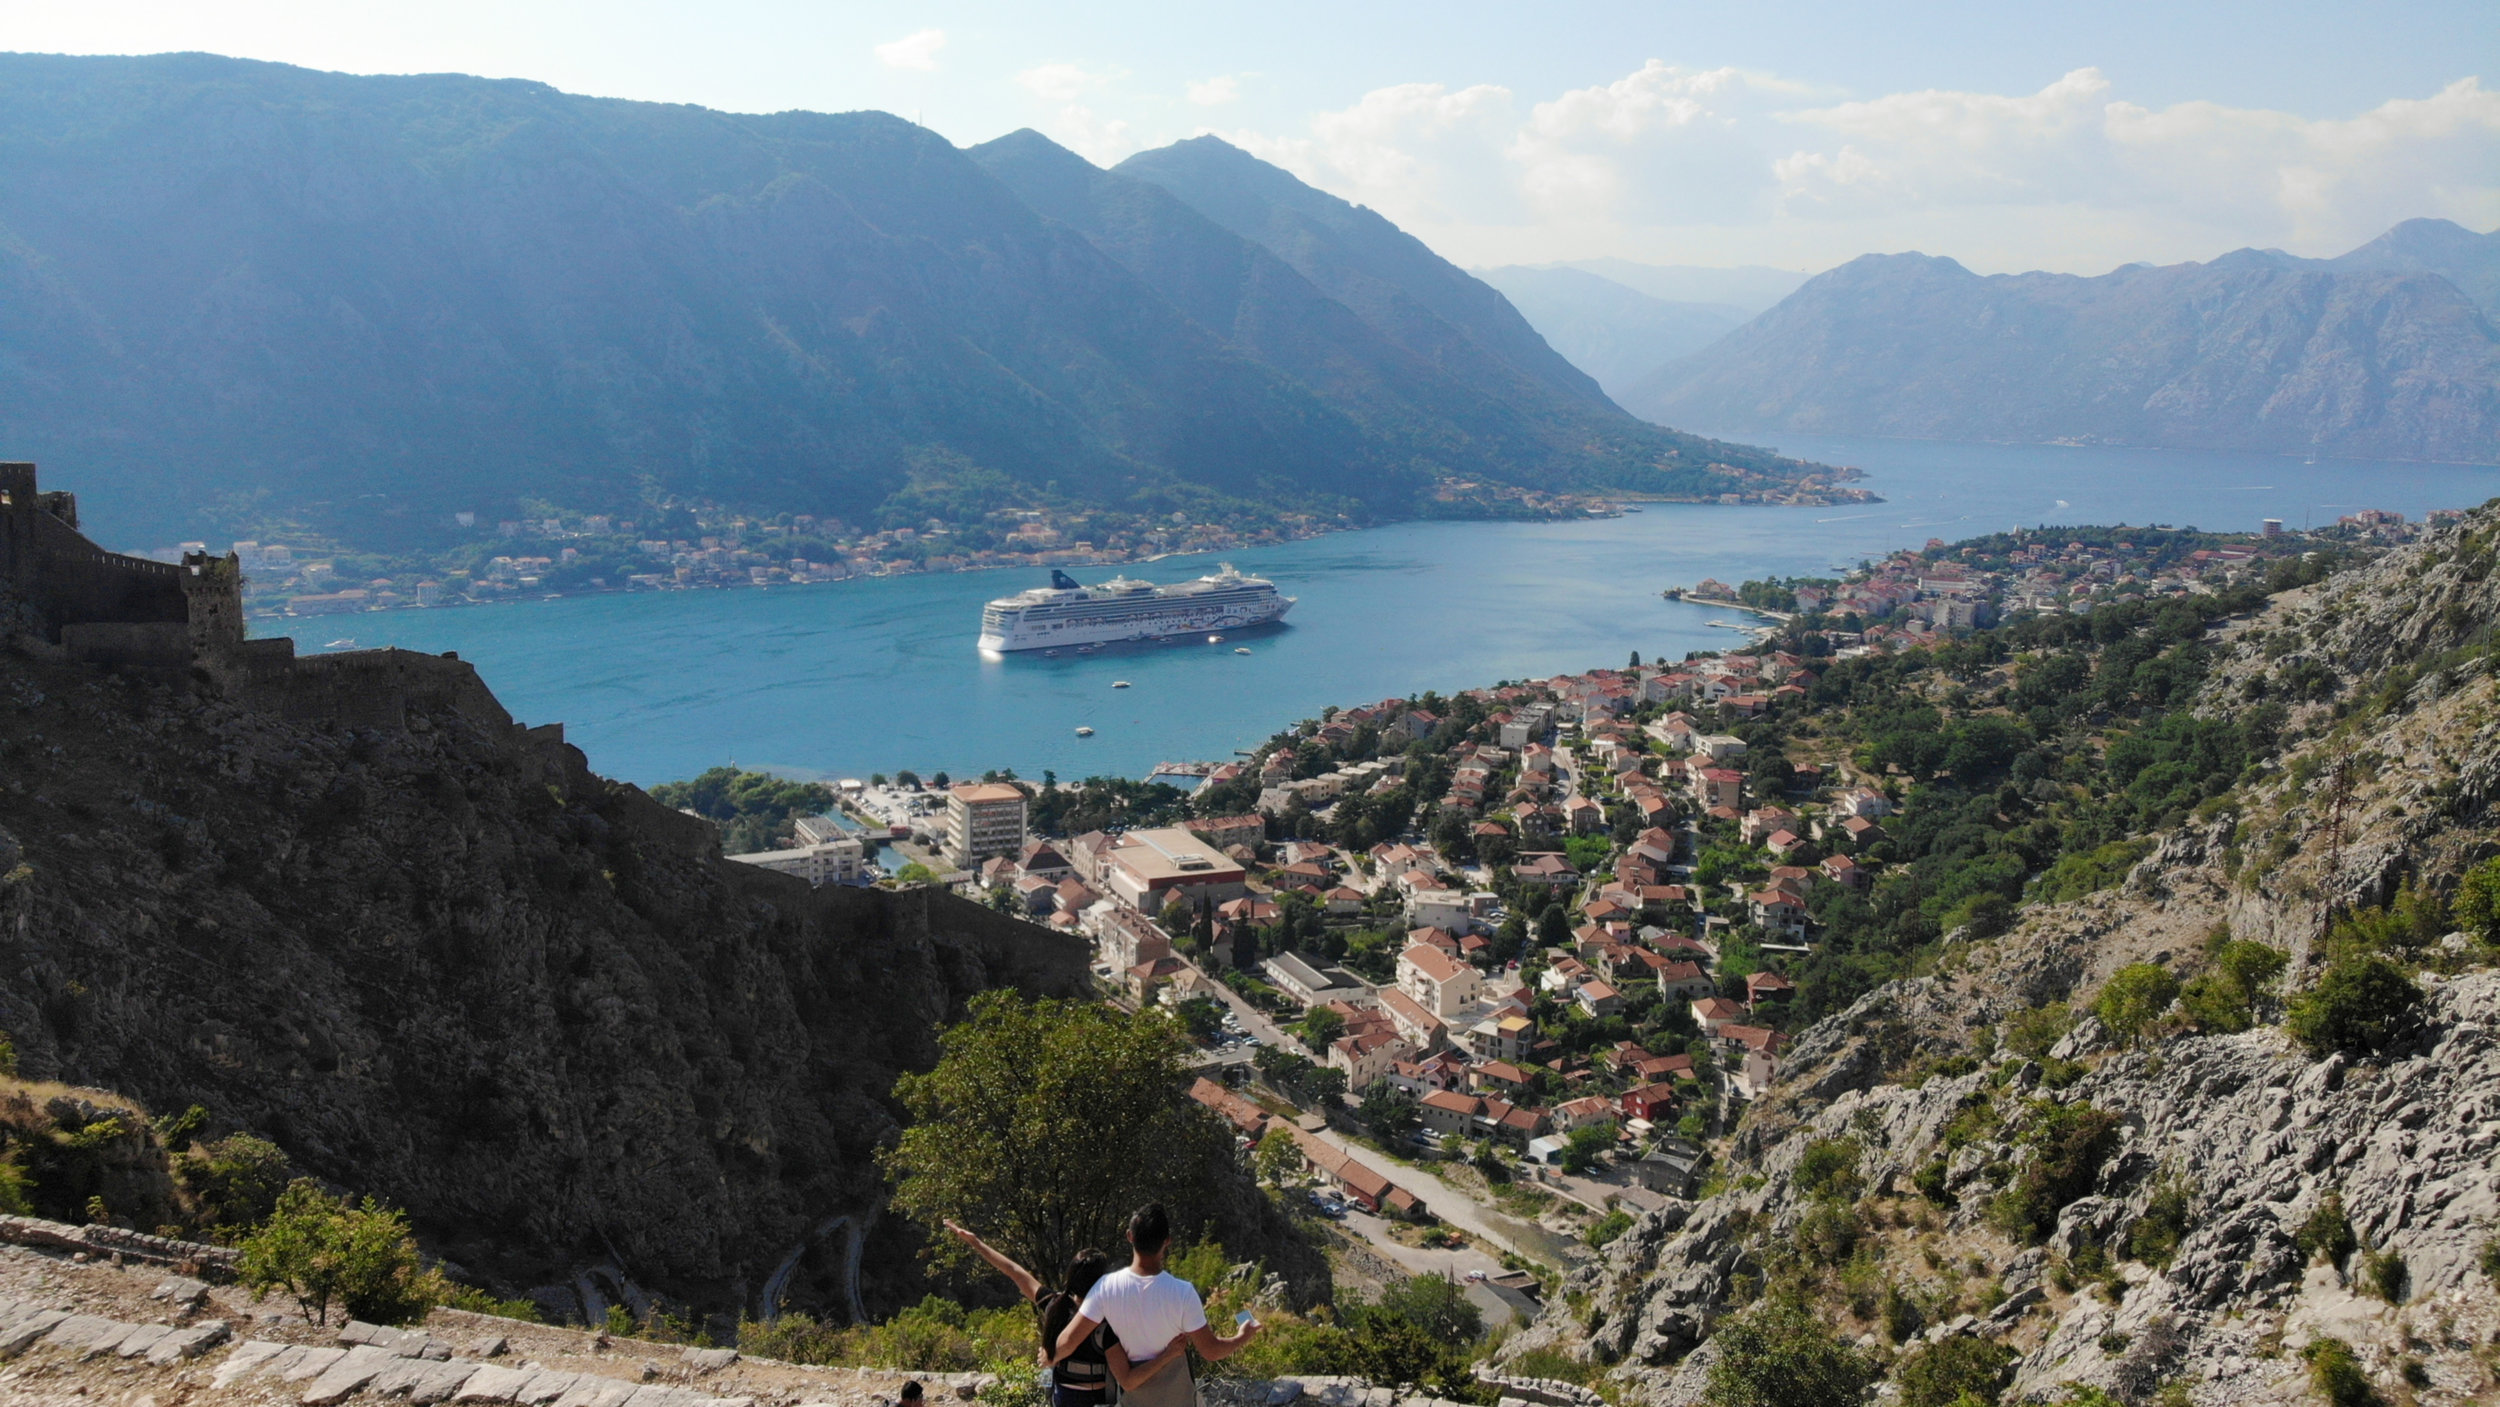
<point x="1454" y="1206"/>
<point x="1498" y="1304"/>
<point x="1256" y="1022"/>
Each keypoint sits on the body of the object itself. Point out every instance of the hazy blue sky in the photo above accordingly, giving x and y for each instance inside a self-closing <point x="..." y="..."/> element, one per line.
<point x="2010" y="135"/>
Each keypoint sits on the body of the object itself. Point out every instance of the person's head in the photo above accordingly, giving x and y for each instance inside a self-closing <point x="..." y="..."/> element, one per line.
<point x="911" y="1394"/>
<point x="1149" y="1231"/>
<point x="1084" y="1268"/>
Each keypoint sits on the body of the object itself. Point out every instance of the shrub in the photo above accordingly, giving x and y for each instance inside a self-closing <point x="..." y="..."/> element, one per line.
<point x="2224" y="999"/>
<point x="319" y="1251"/>
<point x="2034" y="1033"/>
<point x="1930" y="1182"/>
<point x="2069" y="1142"/>
<point x="1778" y="1355"/>
<point x="2327" y="1233"/>
<point x="2477" y="905"/>
<point x="1829" y="1168"/>
<point x="234" y="1183"/>
<point x="1953" y="1372"/>
<point x="2361" y="1006"/>
<point x="1608" y="1227"/>
<point x="2491" y="1259"/>
<point x="2383" y="1274"/>
<point x="1829" y="1232"/>
<point x="2155" y="1236"/>
<point x="2134" y="996"/>
<point x="2336" y="1373"/>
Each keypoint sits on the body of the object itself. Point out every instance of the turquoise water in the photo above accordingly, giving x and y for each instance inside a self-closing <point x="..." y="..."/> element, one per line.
<point x="878" y="675"/>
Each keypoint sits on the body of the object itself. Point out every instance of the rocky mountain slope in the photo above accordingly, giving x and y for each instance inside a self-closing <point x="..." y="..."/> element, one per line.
<point x="238" y="294"/>
<point x="2377" y="354"/>
<point x="1410" y="369"/>
<point x="1614" y="332"/>
<point x="451" y="966"/>
<point x="1966" y="1156"/>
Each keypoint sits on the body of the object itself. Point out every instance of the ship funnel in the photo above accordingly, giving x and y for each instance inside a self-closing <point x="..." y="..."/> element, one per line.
<point x="1061" y="581"/>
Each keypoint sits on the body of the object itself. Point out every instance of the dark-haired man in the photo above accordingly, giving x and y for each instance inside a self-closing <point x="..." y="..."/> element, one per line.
<point x="1147" y="1305"/>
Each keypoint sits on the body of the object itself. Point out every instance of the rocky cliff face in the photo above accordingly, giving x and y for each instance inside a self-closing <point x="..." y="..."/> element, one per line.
<point x="449" y="965"/>
<point x="2370" y="356"/>
<point x="2172" y="1254"/>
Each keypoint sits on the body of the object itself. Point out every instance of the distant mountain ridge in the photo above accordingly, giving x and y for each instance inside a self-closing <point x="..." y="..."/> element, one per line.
<point x="1612" y="331"/>
<point x="2386" y="352"/>
<point x="232" y="291"/>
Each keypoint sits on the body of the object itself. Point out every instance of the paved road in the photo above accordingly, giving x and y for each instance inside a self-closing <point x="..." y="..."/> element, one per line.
<point x="1256" y="1022"/>
<point x="1496" y="1303"/>
<point x="1457" y="1208"/>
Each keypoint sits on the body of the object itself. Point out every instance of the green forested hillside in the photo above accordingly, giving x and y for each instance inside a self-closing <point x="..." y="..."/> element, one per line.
<point x="235" y="294"/>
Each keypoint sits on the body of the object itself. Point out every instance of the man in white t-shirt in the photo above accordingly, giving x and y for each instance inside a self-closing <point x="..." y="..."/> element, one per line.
<point x="1153" y="1312"/>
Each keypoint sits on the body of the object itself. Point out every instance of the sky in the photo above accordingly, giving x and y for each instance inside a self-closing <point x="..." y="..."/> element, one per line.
<point x="2010" y="135"/>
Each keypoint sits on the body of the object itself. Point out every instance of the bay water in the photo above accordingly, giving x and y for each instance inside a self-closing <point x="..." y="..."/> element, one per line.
<point x="876" y="675"/>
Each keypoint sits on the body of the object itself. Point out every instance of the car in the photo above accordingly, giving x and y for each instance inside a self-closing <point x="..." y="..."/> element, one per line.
<point x="1475" y="1277"/>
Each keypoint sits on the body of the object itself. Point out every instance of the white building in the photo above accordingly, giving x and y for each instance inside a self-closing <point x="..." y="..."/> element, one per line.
<point x="983" y="819"/>
<point x="843" y="861"/>
<point x="1439" y="983"/>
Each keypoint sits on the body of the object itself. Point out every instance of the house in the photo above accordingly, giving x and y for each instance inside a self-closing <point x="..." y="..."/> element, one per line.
<point x="1673" y="1168"/>
<point x="1783" y="843"/>
<point x="1714" y="787"/>
<point x="1247" y="1118"/>
<point x="1438" y="981"/>
<point x="1763" y="822"/>
<point x="1586" y="1112"/>
<point x="1041" y="860"/>
<point x="1845" y="872"/>
<point x="1342" y="902"/>
<point x="1564" y="974"/>
<point x="1711" y="1013"/>
<point x="1445" y="1070"/>
<point x="1146" y="978"/>
<point x="1585" y="817"/>
<point x="1502" y="1037"/>
<point x="1225" y="832"/>
<point x="1767" y="986"/>
<point x="1598" y="998"/>
<point x="1362" y="1184"/>
<point x="1148" y="869"/>
<point x="1546" y="868"/>
<point x="1777" y="911"/>
<point x="1448" y="1112"/>
<point x="1719" y="747"/>
<point x="1366" y="1058"/>
<point x="1422" y="1031"/>
<point x="1760" y="1039"/>
<point x="1651" y="1102"/>
<point x="1660" y="1069"/>
<point x="1684" y="981"/>
<point x="1312" y="986"/>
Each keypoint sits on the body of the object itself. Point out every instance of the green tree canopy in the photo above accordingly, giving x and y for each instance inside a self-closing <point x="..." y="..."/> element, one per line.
<point x="1778" y="1355"/>
<point x="1046" y="1123"/>
<point x="2360" y="1007"/>
<point x="2134" y="995"/>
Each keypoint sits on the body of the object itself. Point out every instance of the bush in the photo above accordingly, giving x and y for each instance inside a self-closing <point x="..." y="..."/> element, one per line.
<point x="2133" y="997"/>
<point x="1953" y="1372"/>
<point x="2327" y="1233"/>
<point x="1829" y="1232"/>
<point x="1608" y="1227"/>
<point x="2361" y="1006"/>
<point x="1778" y="1355"/>
<point x="2069" y="1142"/>
<point x="234" y="1183"/>
<point x="319" y="1251"/>
<point x="2336" y="1373"/>
<point x="2155" y="1236"/>
<point x="2477" y="906"/>
<point x="2224" y="999"/>
<point x="2034" y="1033"/>
<point x="2383" y="1274"/>
<point x="1829" y="1169"/>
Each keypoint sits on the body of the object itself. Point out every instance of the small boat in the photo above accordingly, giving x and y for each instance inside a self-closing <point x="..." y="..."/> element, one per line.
<point x="1050" y="654"/>
<point x="1241" y="650"/>
<point x="340" y="645"/>
<point x="1085" y="732"/>
<point x="1215" y="639"/>
<point x="1119" y="683"/>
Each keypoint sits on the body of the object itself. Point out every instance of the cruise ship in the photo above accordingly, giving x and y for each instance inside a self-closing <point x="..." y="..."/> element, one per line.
<point x="1067" y="614"/>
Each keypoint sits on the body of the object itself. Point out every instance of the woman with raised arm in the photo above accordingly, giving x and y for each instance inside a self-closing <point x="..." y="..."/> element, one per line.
<point x="1083" y="1376"/>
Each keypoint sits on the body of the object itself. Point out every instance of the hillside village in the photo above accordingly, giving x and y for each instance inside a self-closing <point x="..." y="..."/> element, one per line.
<point x="1561" y="930"/>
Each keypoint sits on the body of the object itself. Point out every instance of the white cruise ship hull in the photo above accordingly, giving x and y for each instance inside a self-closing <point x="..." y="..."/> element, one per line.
<point x="1169" y="617"/>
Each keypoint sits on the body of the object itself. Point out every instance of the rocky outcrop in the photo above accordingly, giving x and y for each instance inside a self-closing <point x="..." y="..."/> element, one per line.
<point x="446" y="964"/>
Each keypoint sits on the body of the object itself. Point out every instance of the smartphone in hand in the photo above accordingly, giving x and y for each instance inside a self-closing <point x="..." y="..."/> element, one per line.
<point x="1242" y="1321"/>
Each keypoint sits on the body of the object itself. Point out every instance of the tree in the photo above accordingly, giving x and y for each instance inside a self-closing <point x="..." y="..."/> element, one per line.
<point x="2134" y="996"/>
<point x="235" y="1182"/>
<point x="1204" y="1016"/>
<point x="2477" y="906"/>
<point x="1046" y="1123"/>
<point x="319" y="1250"/>
<point x="916" y="873"/>
<point x="1435" y="1304"/>
<point x="2224" y="998"/>
<point x="1582" y="1146"/>
<point x="1319" y="1026"/>
<point x="1777" y="1355"/>
<point x="2361" y="1006"/>
<point x="1954" y="1372"/>
<point x="1278" y="1155"/>
<point x="1389" y="1112"/>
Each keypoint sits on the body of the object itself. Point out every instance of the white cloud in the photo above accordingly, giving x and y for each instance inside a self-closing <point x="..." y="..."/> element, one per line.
<point x="1725" y="165"/>
<point x="918" y="50"/>
<point x="1063" y="83"/>
<point x="1214" y="92"/>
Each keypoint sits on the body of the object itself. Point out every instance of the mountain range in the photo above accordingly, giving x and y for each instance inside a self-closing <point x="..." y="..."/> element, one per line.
<point x="233" y="293"/>
<point x="1616" y="333"/>
<point x="2386" y="352"/>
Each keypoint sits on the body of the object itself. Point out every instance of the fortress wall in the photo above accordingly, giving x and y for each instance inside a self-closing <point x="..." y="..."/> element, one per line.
<point x="364" y="689"/>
